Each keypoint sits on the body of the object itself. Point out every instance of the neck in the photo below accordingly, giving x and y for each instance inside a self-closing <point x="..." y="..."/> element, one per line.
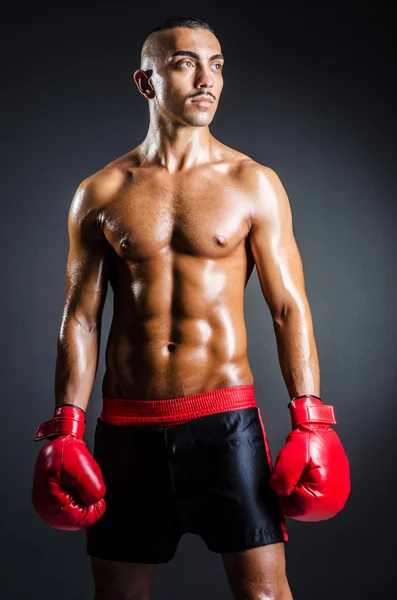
<point x="176" y="146"/>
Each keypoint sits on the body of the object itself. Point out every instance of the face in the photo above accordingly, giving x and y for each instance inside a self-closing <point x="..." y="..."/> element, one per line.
<point x="185" y="79"/>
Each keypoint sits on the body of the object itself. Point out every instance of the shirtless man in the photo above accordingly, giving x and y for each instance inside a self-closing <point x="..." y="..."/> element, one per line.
<point x="176" y="226"/>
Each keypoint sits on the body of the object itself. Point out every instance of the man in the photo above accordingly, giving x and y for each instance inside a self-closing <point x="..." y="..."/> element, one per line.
<point x="176" y="226"/>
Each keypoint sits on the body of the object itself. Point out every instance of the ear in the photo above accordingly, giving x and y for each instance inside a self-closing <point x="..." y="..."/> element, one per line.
<point x="142" y="80"/>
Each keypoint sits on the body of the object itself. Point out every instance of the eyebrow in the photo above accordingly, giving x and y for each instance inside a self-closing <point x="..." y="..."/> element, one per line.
<point x="194" y="55"/>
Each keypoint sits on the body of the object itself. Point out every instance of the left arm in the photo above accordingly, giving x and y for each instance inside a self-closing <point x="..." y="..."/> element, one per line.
<point x="281" y="277"/>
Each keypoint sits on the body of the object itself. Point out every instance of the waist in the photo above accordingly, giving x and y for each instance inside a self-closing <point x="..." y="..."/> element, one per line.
<point x="175" y="411"/>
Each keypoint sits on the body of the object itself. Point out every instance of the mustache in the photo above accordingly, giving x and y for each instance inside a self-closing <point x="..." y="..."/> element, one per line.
<point x="202" y="93"/>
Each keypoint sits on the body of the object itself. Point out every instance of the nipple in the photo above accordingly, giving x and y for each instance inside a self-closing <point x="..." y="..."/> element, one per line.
<point x="220" y="240"/>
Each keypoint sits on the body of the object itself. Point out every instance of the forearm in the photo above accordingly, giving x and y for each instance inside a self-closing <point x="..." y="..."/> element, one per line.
<point x="297" y="352"/>
<point x="77" y="361"/>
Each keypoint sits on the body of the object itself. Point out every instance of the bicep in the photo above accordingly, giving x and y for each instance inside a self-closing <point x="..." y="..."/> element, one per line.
<point x="275" y="250"/>
<point x="87" y="268"/>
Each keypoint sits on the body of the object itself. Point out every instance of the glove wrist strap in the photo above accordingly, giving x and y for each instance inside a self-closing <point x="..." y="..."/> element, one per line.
<point x="68" y="419"/>
<point x="310" y="409"/>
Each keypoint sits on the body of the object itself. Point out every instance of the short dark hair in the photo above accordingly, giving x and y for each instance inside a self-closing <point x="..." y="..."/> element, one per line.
<point x="190" y="22"/>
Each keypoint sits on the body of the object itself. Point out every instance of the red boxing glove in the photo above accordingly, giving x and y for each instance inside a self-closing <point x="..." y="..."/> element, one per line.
<point x="68" y="487"/>
<point x="311" y="473"/>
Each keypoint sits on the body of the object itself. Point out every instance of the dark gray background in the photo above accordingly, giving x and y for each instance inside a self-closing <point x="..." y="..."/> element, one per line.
<point x="309" y="92"/>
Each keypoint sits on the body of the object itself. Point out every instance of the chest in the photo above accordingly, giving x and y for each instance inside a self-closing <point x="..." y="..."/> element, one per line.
<point x="197" y="217"/>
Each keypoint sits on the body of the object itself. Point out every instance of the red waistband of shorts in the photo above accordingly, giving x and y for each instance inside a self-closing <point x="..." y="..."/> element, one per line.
<point x="175" y="411"/>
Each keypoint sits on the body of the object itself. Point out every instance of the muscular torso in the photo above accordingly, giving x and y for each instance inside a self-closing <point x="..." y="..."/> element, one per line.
<point x="179" y="262"/>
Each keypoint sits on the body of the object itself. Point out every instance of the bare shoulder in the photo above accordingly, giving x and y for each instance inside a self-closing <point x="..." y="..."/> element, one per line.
<point x="257" y="177"/>
<point x="260" y="185"/>
<point x="102" y="187"/>
<point x="263" y="188"/>
<point x="249" y="173"/>
<point x="94" y="192"/>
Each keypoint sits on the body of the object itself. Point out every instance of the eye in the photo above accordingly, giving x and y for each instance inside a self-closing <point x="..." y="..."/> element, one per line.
<point x="218" y="66"/>
<point x="184" y="62"/>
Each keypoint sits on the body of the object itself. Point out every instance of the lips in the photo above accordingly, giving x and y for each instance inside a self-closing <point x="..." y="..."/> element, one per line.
<point x="203" y="100"/>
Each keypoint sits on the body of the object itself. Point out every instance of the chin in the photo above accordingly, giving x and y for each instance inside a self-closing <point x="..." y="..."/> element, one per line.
<point x="199" y="119"/>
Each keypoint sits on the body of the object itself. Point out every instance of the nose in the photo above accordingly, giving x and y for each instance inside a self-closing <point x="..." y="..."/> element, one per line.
<point x="204" y="78"/>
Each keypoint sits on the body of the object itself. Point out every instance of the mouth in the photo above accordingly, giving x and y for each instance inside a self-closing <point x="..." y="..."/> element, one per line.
<point x="203" y="100"/>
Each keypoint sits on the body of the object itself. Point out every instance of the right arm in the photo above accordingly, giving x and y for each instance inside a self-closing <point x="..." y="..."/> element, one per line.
<point x="87" y="275"/>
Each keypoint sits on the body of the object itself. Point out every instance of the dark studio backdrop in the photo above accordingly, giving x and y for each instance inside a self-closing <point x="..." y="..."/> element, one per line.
<point x="309" y="92"/>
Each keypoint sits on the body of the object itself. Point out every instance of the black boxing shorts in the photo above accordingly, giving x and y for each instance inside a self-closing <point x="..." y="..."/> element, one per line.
<point x="195" y="464"/>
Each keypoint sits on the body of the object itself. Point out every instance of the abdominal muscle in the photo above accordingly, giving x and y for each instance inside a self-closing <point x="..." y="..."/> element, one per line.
<point x="177" y="331"/>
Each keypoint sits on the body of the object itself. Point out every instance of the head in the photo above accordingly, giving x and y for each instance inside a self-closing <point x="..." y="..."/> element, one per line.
<point x="181" y="72"/>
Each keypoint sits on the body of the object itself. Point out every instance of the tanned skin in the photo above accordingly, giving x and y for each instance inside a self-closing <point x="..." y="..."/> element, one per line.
<point x="176" y="227"/>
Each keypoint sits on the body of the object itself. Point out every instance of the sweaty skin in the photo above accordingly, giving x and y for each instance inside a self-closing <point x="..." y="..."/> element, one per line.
<point x="176" y="227"/>
<point x="178" y="250"/>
